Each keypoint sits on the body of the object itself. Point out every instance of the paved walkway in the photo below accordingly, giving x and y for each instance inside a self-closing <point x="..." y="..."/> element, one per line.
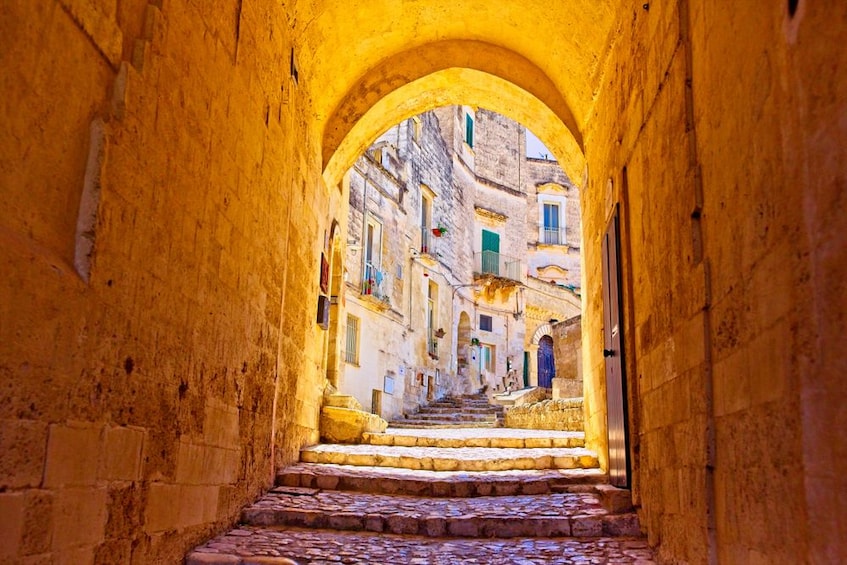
<point x="321" y="547"/>
<point x="494" y="496"/>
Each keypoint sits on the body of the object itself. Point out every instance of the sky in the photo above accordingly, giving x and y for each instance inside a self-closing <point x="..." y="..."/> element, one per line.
<point x="536" y="149"/>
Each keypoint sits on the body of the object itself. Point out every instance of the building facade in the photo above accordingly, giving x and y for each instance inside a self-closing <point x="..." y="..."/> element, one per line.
<point x="455" y="239"/>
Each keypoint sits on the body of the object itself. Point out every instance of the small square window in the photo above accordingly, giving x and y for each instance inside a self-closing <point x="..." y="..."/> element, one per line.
<point x="485" y="323"/>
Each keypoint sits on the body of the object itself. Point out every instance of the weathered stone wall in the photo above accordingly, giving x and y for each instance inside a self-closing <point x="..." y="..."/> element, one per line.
<point x="562" y="414"/>
<point x="193" y="320"/>
<point x="393" y="333"/>
<point x="499" y="149"/>
<point x="158" y="350"/>
<point x="721" y="290"/>
<point x="567" y="350"/>
<point x="559" y="263"/>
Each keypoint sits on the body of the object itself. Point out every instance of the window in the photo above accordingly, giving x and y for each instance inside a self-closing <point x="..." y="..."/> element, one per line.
<point x="551" y="219"/>
<point x="372" y="277"/>
<point x="351" y="350"/>
<point x="490" y="256"/>
<point x="426" y="222"/>
<point x="373" y="243"/>
<point x="486" y="357"/>
<point x="552" y="233"/>
<point x="485" y="323"/>
<point x="469" y="130"/>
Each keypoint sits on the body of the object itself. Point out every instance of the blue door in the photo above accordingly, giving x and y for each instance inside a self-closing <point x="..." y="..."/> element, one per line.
<point x="546" y="362"/>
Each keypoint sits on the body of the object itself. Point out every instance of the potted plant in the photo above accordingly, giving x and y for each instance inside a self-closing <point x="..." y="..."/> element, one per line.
<point x="439" y="231"/>
<point x="474" y="341"/>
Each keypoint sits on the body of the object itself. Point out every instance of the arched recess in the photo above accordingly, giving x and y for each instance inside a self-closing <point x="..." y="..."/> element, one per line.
<point x="444" y="73"/>
<point x="464" y="366"/>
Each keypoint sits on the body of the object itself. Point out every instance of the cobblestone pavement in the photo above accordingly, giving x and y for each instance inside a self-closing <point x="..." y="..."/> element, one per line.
<point x="362" y="504"/>
<point x="315" y="547"/>
<point x="577" y="515"/>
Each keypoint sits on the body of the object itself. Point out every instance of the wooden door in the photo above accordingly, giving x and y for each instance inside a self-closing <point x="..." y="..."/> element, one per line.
<point x="616" y="403"/>
<point x="546" y="362"/>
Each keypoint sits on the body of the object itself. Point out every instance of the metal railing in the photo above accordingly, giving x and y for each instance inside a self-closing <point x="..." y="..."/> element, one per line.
<point x="553" y="236"/>
<point x="375" y="283"/>
<point x="432" y="346"/>
<point x="503" y="266"/>
<point x="428" y="242"/>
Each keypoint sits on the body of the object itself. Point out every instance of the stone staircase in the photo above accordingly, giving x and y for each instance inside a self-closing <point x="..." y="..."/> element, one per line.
<point x="467" y="411"/>
<point x="421" y="496"/>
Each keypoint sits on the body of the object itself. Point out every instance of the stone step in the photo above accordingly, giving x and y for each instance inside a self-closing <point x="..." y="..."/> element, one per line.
<point x="424" y="424"/>
<point x="386" y="480"/>
<point x="249" y="545"/>
<point x="476" y="437"/>
<point x="453" y="417"/>
<point x="452" y="410"/>
<point x="550" y="515"/>
<point x="450" y="459"/>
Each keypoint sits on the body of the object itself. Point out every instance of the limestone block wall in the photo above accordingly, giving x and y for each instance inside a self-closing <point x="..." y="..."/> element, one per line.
<point x="158" y="348"/>
<point x="725" y="234"/>
<point x="567" y="347"/>
<point x="561" y="414"/>
<point x="499" y="149"/>
<point x="543" y="179"/>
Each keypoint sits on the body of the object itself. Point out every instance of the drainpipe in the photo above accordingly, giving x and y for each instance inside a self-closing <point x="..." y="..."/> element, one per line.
<point x="364" y="229"/>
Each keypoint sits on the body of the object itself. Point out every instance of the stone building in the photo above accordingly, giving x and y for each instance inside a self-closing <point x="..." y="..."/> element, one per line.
<point x="171" y="174"/>
<point x="428" y="309"/>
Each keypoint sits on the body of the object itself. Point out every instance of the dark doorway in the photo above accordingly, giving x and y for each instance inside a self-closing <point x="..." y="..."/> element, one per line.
<point x="616" y="407"/>
<point x="546" y="362"/>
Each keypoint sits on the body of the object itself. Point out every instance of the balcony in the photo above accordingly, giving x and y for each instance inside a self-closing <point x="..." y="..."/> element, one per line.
<point x="552" y="236"/>
<point x="428" y="242"/>
<point x="493" y="264"/>
<point x="375" y="285"/>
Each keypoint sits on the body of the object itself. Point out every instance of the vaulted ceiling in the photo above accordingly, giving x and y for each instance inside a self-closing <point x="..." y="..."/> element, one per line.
<point x="386" y="60"/>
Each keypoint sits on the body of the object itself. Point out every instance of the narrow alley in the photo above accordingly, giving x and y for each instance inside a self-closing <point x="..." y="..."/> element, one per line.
<point x="438" y="492"/>
<point x="218" y="217"/>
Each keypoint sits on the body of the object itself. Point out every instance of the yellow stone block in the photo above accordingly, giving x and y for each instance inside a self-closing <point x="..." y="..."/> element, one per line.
<point x="345" y="425"/>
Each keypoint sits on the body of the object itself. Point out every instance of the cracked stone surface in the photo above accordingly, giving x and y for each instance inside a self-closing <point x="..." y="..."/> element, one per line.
<point x="248" y="545"/>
